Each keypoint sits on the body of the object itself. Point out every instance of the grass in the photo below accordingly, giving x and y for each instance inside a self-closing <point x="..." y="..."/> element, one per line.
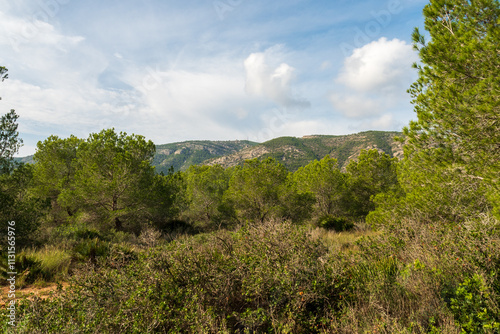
<point x="342" y="241"/>
<point x="47" y="264"/>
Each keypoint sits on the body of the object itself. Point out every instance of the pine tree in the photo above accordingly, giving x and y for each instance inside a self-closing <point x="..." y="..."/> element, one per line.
<point x="457" y="94"/>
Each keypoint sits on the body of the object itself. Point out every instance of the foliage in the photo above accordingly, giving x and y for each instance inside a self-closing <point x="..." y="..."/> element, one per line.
<point x="457" y="94"/>
<point x="431" y="193"/>
<point x="54" y="172"/>
<point x="9" y="136"/>
<point x="337" y="224"/>
<point x="371" y="174"/>
<point x="47" y="264"/>
<point x="167" y="199"/>
<point x="18" y="204"/>
<point x="432" y="266"/>
<point x="3" y="73"/>
<point x="9" y="141"/>
<point x="470" y="307"/>
<point x="206" y="186"/>
<point x="260" y="190"/>
<point x="326" y="182"/>
<point x="406" y="278"/>
<point x="265" y="277"/>
<point x="278" y="277"/>
<point x="113" y="178"/>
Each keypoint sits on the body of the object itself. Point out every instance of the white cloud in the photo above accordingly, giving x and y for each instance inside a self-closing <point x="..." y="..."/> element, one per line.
<point x="356" y="105"/>
<point x="385" y="121"/>
<point x="74" y="111"/>
<point x="379" y="66"/>
<point x="273" y="83"/>
<point x="193" y="104"/>
<point x="373" y="81"/>
<point x="20" y="33"/>
<point x="187" y="93"/>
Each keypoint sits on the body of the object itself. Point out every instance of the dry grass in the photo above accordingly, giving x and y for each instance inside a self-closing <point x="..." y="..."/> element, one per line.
<point x="342" y="241"/>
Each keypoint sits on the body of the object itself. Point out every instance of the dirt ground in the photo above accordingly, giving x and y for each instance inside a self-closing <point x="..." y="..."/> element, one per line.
<point x="29" y="291"/>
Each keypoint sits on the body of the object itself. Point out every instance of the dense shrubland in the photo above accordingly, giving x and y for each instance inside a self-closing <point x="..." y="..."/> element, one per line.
<point x="384" y="246"/>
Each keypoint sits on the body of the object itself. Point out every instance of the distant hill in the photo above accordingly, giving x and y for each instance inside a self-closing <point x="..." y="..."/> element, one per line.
<point x="297" y="152"/>
<point x="291" y="151"/>
<point x="182" y="155"/>
<point x="26" y="160"/>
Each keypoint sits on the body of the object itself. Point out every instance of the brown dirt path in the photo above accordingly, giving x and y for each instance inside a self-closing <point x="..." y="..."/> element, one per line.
<point x="29" y="291"/>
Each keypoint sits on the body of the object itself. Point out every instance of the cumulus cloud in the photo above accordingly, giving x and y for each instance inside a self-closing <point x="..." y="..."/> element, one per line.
<point x="356" y="106"/>
<point x="382" y="65"/>
<point x="210" y="100"/>
<point x="272" y="83"/>
<point x="22" y="32"/>
<point x="374" y="80"/>
<point x="385" y="121"/>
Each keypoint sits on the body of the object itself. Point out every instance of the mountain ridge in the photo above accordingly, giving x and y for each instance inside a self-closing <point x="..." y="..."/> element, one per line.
<point x="296" y="152"/>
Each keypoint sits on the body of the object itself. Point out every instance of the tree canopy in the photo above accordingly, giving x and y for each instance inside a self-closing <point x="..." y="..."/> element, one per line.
<point x="3" y="73"/>
<point x="112" y="176"/>
<point x="9" y="136"/>
<point x="326" y="182"/>
<point x="457" y="94"/>
<point x="54" y="170"/>
<point x="9" y="141"/>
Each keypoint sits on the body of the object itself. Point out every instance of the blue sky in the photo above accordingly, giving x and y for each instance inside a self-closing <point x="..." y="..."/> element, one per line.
<point x="212" y="69"/>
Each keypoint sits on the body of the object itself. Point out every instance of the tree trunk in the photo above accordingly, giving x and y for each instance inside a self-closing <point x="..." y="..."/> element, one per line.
<point x="118" y="224"/>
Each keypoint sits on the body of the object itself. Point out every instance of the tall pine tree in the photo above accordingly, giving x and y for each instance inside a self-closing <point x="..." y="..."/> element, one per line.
<point x="457" y="94"/>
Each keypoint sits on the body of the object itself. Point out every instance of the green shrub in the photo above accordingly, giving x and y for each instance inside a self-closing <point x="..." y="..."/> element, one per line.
<point x="53" y="260"/>
<point x="269" y="277"/>
<point x="471" y="308"/>
<point x="90" y="249"/>
<point x="337" y="224"/>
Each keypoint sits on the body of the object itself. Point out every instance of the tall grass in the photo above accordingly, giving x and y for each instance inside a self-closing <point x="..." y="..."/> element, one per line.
<point x="49" y="263"/>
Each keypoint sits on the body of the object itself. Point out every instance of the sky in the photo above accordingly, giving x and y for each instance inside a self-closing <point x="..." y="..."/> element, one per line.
<point x="208" y="69"/>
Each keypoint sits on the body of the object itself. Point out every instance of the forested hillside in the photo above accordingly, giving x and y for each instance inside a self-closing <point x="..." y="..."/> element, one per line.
<point x="298" y="152"/>
<point x="321" y="234"/>
<point x="180" y="156"/>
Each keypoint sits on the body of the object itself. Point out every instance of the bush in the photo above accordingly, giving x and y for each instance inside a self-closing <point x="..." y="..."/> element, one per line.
<point x="270" y="277"/>
<point x="470" y="307"/>
<point x="338" y="224"/>
<point x="416" y="277"/>
<point x="90" y="249"/>
<point x="276" y="277"/>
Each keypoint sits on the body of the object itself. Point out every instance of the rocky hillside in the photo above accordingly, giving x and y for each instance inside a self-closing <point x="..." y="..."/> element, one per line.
<point x="182" y="155"/>
<point x="297" y="152"/>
